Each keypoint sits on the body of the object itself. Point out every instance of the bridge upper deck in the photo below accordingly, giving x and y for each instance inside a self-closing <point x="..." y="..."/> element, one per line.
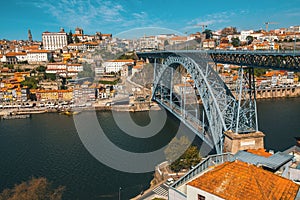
<point x="280" y="60"/>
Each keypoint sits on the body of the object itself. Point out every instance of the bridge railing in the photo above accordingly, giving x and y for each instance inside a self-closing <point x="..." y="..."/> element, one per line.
<point x="202" y="166"/>
<point x="288" y="52"/>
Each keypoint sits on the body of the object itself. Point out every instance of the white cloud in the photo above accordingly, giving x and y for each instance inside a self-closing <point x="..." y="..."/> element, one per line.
<point x="214" y="19"/>
<point x="84" y="13"/>
<point x="93" y="15"/>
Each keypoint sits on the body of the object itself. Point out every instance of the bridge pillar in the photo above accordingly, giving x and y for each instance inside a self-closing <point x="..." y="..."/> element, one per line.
<point x="234" y="142"/>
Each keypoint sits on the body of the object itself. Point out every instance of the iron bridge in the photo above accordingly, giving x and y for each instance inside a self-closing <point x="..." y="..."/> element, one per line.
<point x="280" y="60"/>
<point x="223" y="111"/>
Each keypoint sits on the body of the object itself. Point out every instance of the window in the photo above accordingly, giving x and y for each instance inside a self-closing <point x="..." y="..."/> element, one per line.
<point x="200" y="197"/>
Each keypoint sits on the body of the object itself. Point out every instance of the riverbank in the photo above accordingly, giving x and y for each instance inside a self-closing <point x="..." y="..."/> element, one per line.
<point x="99" y="106"/>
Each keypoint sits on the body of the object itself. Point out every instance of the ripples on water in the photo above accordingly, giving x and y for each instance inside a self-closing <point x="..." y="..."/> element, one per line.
<point x="48" y="145"/>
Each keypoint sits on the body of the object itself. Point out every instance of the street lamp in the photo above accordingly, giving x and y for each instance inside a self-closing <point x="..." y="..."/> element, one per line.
<point x="120" y="193"/>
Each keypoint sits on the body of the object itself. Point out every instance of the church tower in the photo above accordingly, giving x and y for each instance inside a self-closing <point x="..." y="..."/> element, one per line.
<point x="29" y="36"/>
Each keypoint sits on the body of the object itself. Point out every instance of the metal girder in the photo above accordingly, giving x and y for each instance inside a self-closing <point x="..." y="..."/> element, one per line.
<point x="245" y="119"/>
<point x="286" y="62"/>
<point x="216" y="106"/>
<point x="223" y="110"/>
<point x="262" y="59"/>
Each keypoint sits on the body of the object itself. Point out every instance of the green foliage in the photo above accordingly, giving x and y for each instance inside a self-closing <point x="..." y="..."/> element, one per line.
<point x="9" y="66"/>
<point x="19" y="69"/>
<point x="109" y="82"/>
<point x="235" y="42"/>
<point x="70" y="37"/>
<point x="249" y="39"/>
<point x="166" y="43"/>
<point x="34" y="189"/>
<point x="208" y="33"/>
<point x="41" y="68"/>
<point x="259" y="72"/>
<point x="87" y="71"/>
<point x="176" y="147"/>
<point x="76" y="39"/>
<point x="30" y="82"/>
<point x="125" y="57"/>
<point x="52" y="77"/>
<point x="191" y="157"/>
<point x="51" y="60"/>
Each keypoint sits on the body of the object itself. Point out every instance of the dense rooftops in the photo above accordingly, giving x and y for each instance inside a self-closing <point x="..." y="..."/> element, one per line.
<point x="239" y="180"/>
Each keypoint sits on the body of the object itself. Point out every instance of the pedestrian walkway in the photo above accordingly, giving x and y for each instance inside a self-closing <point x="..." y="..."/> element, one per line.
<point x="162" y="191"/>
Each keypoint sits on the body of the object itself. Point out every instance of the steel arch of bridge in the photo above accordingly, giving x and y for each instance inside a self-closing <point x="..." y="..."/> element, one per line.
<point x="223" y="111"/>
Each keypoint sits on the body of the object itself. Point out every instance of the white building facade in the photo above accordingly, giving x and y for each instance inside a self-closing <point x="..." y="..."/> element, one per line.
<point x="54" y="40"/>
<point x="38" y="56"/>
<point x="116" y="65"/>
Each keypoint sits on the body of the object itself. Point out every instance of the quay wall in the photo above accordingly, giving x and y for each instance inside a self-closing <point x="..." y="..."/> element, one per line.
<point x="278" y="92"/>
<point x="269" y="93"/>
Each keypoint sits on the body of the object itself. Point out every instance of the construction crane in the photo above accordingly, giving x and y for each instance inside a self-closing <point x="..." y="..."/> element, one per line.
<point x="267" y="25"/>
<point x="201" y="25"/>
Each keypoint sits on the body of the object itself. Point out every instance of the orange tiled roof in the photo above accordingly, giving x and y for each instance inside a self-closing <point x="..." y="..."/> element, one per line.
<point x="181" y="38"/>
<point x="33" y="47"/>
<point x="260" y="152"/>
<point x="16" y="54"/>
<point x="239" y="180"/>
<point x="53" y="91"/>
<point x="38" y="51"/>
<point x="128" y="60"/>
<point x="138" y="67"/>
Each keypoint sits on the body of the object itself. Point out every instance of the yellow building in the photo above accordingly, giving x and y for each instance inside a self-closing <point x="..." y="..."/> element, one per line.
<point x="20" y="76"/>
<point x="67" y="57"/>
<point x="54" y="95"/>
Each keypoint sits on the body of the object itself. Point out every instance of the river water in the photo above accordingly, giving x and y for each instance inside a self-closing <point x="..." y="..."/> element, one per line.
<point x="47" y="145"/>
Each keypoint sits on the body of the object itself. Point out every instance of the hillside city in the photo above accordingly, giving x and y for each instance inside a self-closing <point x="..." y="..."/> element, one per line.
<point x="70" y="69"/>
<point x="55" y="71"/>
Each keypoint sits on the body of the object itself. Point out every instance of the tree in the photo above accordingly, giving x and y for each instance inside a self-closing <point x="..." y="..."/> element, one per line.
<point x="259" y="72"/>
<point x="208" y="33"/>
<point x="191" y="157"/>
<point x="41" y="69"/>
<point x="35" y="188"/>
<point x="249" y="39"/>
<point x="51" y="60"/>
<point x="30" y="82"/>
<point x="176" y="147"/>
<point x="52" y="77"/>
<point x="76" y="39"/>
<point x="70" y="37"/>
<point x="87" y="71"/>
<point x="235" y="42"/>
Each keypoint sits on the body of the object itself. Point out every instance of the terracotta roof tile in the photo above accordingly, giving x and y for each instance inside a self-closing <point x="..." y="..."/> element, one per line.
<point x="239" y="180"/>
<point x="260" y="152"/>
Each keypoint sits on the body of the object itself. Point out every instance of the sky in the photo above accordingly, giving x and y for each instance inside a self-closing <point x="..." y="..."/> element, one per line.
<point x="128" y="16"/>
